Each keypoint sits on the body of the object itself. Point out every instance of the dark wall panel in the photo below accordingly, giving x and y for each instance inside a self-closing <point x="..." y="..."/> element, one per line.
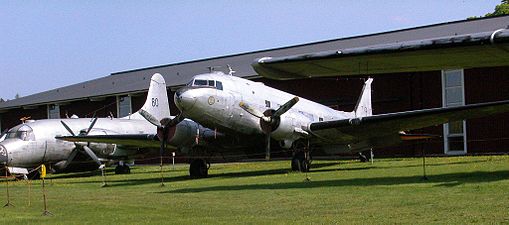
<point x="12" y="117"/>
<point x="489" y="134"/>
<point x="87" y="108"/>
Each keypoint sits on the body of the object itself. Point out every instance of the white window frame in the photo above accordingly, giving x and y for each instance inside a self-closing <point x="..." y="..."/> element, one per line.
<point x="446" y="134"/>
<point x="130" y="105"/>
<point x="49" y="112"/>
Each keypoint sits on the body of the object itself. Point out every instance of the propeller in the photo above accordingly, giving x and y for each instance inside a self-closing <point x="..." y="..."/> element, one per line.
<point x="87" y="149"/>
<point x="165" y="131"/>
<point x="3" y="133"/>
<point x="270" y="119"/>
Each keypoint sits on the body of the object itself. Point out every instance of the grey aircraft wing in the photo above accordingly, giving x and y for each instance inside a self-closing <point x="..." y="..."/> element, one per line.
<point x="461" y="51"/>
<point x="132" y="140"/>
<point x="383" y="125"/>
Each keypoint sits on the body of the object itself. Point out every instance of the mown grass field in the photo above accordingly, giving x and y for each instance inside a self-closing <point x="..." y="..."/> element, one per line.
<point x="460" y="190"/>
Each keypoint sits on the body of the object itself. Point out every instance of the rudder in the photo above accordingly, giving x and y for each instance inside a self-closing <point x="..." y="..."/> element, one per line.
<point x="363" y="107"/>
<point x="156" y="106"/>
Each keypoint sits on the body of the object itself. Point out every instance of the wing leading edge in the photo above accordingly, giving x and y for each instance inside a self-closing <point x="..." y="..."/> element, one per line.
<point x="359" y="129"/>
<point x="461" y="51"/>
<point x="132" y="140"/>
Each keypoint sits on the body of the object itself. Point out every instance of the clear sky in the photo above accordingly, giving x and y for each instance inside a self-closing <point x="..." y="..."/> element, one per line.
<point x="50" y="44"/>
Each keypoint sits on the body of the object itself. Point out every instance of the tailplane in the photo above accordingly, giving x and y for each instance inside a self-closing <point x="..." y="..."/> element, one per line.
<point x="156" y="106"/>
<point x="363" y="107"/>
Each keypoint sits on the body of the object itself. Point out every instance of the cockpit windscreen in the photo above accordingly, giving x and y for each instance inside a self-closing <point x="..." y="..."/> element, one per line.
<point x="22" y="132"/>
<point x="206" y="83"/>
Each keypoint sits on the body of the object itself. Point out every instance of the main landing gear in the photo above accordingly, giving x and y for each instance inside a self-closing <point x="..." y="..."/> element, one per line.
<point x="199" y="168"/>
<point x="301" y="160"/>
<point x="199" y="164"/>
<point x="122" y="168"/>
<point x="364" y="158"/>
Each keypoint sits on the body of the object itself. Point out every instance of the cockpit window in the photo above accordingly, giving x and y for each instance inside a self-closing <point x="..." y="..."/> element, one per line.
<point x="200" y="83"/>
<point x="208" y="83"/>
<point x="23" y="132"/>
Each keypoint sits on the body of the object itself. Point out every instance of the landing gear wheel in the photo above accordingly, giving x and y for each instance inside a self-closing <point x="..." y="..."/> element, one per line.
<point x="198" y="168"/>
<point x="34" y="175"/>
<point x="300" y="162"/>
<point x="363" y="157"/>
<point x="122" y="169"/>
<point x="295" y="164"/>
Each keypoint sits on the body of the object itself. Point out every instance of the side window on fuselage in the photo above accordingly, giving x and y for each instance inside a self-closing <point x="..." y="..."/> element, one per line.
<point x="219" y="85"/>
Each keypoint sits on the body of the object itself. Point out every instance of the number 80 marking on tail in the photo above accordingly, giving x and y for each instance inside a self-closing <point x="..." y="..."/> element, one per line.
<point x="155" y="102"/>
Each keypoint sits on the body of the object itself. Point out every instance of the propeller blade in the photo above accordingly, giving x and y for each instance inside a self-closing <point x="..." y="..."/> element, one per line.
<point x="92" y="155"/>
<point x="3" y="132"/>
<point x="167" y="122"/>
<point x="150" y="118"/>
<point x="70" y="158"/>
<point x="67" y="128"/>
<point x="251" y="110"/>
<point x="91" y="126"/>
<point x="267" y="148"/>
<point x="285" y="107"/>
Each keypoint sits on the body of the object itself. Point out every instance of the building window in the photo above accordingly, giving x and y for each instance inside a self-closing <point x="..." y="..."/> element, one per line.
<point x="53" y="112"/>
<point x="123" y="106"/>
<point x="453" y="94"/>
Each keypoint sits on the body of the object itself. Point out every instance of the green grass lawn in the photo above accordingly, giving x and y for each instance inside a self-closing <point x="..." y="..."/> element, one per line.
<point x="459" y="190"/>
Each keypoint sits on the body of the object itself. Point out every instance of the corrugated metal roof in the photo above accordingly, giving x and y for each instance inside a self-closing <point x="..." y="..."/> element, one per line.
<point x="180" y="73"/>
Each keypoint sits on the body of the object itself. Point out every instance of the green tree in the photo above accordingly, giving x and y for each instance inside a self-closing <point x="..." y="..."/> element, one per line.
<point x="500" y="9"/>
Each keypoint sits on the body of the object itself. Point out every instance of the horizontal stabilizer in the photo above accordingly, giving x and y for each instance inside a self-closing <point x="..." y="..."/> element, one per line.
<point x="17" y="170"/>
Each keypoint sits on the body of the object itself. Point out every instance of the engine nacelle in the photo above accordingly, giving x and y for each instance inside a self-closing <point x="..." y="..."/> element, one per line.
<point x="289" y="129"/>
<point x="185" y="133"/>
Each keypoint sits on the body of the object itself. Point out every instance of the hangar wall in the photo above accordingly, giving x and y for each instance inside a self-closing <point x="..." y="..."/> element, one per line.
<point x="391" y="93"/>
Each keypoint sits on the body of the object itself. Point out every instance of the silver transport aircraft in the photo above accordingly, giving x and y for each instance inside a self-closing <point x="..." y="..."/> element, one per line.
<point x="33" y="143"/>
<point x="235" y="105"/>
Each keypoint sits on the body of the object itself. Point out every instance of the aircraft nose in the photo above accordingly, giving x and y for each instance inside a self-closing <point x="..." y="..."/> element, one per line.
<point x="184" y="99"/>
<point x="3" y="155"/>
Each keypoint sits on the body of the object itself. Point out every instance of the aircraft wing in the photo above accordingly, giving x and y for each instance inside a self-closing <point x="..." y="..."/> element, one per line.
<point x="134" y="140"/>
<point x="359" y="129"/>
<point x="484" y="49"/>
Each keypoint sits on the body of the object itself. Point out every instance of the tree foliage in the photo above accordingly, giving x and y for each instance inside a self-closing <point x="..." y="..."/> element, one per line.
<point x="500" y="9"/>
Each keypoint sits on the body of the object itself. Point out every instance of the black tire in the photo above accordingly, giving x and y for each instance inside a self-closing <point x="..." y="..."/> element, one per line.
<point x="127" y="169"/>
<point x="363" y="158"/>
<point x="34" y="175"/>
<point x="122" y="169"/>
<point x="300" y="163"/>
<point x="198" y="168"/>
<point x="295" y="164"/>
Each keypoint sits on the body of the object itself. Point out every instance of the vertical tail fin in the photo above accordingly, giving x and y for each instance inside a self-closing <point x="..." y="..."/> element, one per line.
<point x="363" y="107"/>
<point x="156" y="106"/>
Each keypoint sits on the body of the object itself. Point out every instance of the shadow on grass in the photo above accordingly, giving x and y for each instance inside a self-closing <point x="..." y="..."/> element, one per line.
<point x="141" y="181"/>
<point x="446" y="180"/>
